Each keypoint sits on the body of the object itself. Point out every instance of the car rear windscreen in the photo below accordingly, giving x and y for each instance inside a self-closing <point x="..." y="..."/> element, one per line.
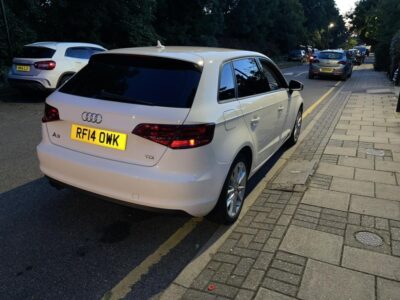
<point x="37" y="52"/>
<point x="137" y="79"/>
<point x="330" y="55"/>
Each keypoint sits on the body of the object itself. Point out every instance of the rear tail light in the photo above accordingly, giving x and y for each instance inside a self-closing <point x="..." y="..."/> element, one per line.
<point x="45" y="65"/>
<point x="177" y="136"/>
<point x="342" y="62"/>
<point x="50" y="114"/>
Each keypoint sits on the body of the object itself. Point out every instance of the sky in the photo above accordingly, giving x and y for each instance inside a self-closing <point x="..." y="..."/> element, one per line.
<point x="345" y="5"/>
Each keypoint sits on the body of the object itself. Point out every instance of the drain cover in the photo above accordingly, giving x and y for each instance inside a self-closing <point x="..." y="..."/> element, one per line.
<point x="375" y="152"/>
<point x="369" y="238"/>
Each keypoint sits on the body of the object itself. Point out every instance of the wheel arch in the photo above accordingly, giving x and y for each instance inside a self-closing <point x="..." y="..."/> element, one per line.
<point x="68" y="73"/>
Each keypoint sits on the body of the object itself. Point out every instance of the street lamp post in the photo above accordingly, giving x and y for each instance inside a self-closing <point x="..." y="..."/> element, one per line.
<point x="330" y="26"/>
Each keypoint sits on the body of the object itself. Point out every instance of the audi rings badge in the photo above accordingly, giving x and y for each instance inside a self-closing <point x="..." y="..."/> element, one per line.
<point x="92" y="117"/>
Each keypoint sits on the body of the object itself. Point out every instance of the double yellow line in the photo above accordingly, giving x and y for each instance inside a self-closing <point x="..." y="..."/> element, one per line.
<point x="124" y="287"/>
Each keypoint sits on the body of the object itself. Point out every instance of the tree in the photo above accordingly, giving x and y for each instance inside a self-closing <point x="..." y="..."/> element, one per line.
<point x="376" y="22"/>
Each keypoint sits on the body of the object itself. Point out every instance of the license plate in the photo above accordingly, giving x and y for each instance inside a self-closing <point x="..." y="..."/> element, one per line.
<point x="99" y="137"/>
<point x="23" y="68"/>
<point x="327" y="70"/>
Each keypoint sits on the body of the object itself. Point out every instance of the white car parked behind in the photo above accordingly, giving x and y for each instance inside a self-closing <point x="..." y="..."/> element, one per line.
<point x="48" y="65"/>
<point x="178" y="128"/>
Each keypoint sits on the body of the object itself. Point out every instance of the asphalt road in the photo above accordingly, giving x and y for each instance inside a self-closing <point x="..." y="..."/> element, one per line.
<point x="67" y="245"/>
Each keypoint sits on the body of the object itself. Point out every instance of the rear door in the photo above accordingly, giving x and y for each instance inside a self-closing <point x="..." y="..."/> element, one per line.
<point x="115" y="93"/>
<point x="285" y="111"/>
<point x="24" y="65"/>
<point x="259" y="106"/>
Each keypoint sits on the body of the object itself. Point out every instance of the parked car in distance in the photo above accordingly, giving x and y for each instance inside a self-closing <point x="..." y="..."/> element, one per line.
<point x="297" y="55"/>
<point x="313" y="56"/>
<point x="363" y="52"/>
<point x="47" y="65"/>
<point x="178" y="128"/>
<point x="331" y="63"/>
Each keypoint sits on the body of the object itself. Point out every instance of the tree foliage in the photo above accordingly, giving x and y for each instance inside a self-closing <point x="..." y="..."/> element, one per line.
<point x="270" y="26"/>
<point x="376" y="22"/>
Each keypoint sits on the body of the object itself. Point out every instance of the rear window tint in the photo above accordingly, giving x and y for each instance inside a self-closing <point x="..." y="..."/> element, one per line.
<point x="37" y="52"/>
<point x="81" y="52"/>
<point x="137" y="79"/>
<point x="330" y="55"/>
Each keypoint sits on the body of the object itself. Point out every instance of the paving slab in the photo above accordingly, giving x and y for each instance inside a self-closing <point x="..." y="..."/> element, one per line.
<point x="357" y="187"/>
<point x="325" y="281"/>
<point x="375" y="207"/>
<point x="326" y="198"/>
<point x="264" y="294"/>
<point x="295" y="173"/>
<point x="341" y="151"/>
<point x="356" y="162"/>
<point x="387" y="191"/>
<point x="387" y="147"/>
<point x="371" y="262"/>
<point x="392" y="166"/>
<point x="335" y="170"/>
<point x="312" y="243"/>
<point x="388" y="289"/>
<point x="374" y="139"/>
<point x="375" y="176"/>
<point x="360" y="133"/>
<point x="344" y="137"/>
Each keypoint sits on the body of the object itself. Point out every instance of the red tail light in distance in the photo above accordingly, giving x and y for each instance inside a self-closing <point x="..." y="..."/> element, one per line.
<point x="177" y="136"/>
<point x="50" y="114"/>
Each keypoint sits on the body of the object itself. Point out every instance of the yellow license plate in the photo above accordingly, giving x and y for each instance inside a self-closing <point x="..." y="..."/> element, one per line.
<point x="23" y="68"/>
<point x="328" y="70"/>
<point x="99" y="137"/>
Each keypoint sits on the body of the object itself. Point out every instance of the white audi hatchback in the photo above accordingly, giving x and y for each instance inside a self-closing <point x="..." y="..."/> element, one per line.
<point x="178" y="128"/>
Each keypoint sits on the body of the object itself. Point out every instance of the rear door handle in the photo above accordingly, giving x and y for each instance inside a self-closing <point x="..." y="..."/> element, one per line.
<point x="255" y="120"/>
<point x="280" y="108"/>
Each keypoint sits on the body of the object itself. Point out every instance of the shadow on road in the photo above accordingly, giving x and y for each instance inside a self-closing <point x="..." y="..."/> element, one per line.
<point x="9" y="95"/>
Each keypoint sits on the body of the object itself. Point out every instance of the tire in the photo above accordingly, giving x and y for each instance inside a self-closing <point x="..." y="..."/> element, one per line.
<point x="64" y="79"/>
<point x="294" y="136"/>
<point x="343" y="78"/>
<point x="227" y="211"/>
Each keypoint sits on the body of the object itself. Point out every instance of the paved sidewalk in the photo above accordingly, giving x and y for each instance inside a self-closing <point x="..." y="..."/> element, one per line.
<point x="339" y="236"/>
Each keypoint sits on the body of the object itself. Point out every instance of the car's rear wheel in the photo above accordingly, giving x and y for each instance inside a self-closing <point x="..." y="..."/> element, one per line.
<point x="294" y="137"/>
<point x="232" y="196"/>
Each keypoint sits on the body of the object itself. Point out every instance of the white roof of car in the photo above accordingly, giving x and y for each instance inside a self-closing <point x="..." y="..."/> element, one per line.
<point x="54" y="45"/>
<point x="192" y="54"/>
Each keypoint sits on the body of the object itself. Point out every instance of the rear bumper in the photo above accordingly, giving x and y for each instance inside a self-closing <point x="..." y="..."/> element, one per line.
<point x="152" y="187"/>
<point x="337" y="72"/>
<point x="29" y="83"/>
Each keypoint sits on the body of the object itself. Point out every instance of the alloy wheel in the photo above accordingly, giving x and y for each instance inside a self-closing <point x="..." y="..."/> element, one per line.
<point x="236" y="189"/>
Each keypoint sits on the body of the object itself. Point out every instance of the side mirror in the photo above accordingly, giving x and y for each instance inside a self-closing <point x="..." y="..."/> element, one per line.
<point x="295" y="85"/>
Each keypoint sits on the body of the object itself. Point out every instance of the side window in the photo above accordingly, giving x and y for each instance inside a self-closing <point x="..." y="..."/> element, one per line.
<point x="249" y="78"/>
<point x="226" y="89"/>
<point x="78" y="52"/>
<point x="94" y="50"/>
<point x="273" y="79"/>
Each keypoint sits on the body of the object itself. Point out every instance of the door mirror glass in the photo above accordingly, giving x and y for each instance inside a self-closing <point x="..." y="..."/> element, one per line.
<point x="295" y="85"/>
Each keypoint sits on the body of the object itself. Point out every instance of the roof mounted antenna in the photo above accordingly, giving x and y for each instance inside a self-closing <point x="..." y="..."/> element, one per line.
<point x="159" y="45"/>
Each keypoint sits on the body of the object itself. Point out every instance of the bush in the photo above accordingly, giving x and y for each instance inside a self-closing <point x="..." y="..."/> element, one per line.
<point x="382" y="57"/>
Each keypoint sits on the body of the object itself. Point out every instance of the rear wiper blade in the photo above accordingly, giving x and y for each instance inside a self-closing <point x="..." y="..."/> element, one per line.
<point x="113" y="96"/>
